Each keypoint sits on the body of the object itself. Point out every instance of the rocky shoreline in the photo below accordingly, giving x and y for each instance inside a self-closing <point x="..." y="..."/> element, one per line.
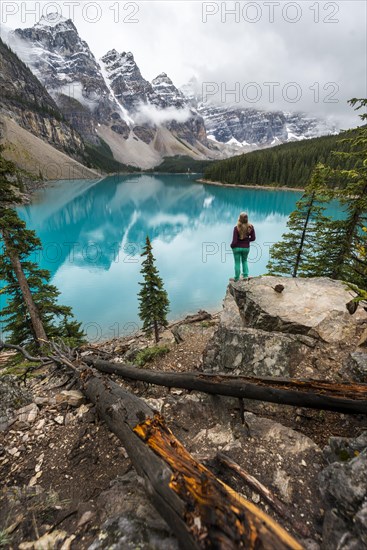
<point x="239" y="185"/>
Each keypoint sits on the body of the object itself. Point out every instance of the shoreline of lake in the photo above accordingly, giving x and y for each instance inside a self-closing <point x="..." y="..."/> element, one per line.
<point x="243" y="186"/>
<point x="91" y="227"/>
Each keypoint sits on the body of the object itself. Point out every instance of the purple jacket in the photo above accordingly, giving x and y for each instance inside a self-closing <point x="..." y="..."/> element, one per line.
<point x="242" y="243"/>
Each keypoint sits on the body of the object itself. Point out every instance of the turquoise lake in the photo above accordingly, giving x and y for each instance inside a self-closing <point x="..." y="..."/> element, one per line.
<point x="93" y="232"/>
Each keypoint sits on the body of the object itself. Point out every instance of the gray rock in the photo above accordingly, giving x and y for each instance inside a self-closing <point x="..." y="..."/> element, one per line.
<point x="314" y="307"/>
<point x="284" y="439"/>
<point x="28" y="413"/>
<point x="345" y="484"/>
<point x="363" y="339"/>
<point x="335" y="529"/>
<point x="344" y="490"/>
<point x="267" y="333"/>
<point x="12" y="397"/>
<point x="251" y="351"/>
<point x="74" y="398"/>
<point x="253" y="126"/>
<point x="343" y="448"/>
<point x="361" y="523"/>
<point x="356" y="366"/>
<point x="131" y="521"/>
<point x="184" y="331"/>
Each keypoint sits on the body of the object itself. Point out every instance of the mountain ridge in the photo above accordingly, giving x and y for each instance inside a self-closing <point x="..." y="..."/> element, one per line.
<point x="142" y="122"/>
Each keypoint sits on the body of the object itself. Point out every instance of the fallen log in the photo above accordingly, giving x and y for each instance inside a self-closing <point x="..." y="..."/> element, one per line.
<point x="266" y="494"/>
<point x="343" y="398"/>
<point x="202" y="511"/>
<point x="202" y="315"/>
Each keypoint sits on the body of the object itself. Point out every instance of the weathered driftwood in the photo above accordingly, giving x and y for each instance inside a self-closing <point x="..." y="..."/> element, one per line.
<point x="314" y="394"/>
<point x="202" y="511"/>
<point x="266" y="494"/>
<point x="201" y="315"/>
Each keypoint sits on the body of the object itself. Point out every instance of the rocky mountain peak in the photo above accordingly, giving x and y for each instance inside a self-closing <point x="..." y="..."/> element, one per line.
<point x="57" y="52"/>
<point x="167" y="93"/>
<point x="55" y="21"/>
<point x="162" y="76"/>
<point x="119" y="64"/>
<point x="125" y="79"/>
<point x="66" y="66"/>
<point x="55" y="34"/>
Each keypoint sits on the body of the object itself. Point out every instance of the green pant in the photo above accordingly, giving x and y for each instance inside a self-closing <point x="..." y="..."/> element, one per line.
<point x="240" y="257"/>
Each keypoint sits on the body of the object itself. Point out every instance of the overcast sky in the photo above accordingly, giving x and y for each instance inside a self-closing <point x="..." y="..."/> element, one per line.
<point x="312" y="60"/>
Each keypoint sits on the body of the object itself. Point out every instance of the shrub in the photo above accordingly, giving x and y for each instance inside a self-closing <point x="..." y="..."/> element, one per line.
<point x="149" y="354"/>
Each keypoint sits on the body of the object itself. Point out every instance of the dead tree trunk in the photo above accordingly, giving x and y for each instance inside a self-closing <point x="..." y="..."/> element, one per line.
<point x="202" y="511"/>
<point x="37" y="325"/>
<point x="344" y="398"/>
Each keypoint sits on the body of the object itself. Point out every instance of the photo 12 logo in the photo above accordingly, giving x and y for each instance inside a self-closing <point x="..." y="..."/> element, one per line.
<point x="254" y="92"/>
<point x="210" y="249"/>
<point x="270" y="12"/>
<point x="95" y="333"/>
<point x="91" y="12"/>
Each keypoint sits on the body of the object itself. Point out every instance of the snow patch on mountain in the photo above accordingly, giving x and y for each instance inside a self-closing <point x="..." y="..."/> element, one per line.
<point x="124" y="112"/>
<point x="53" y="20"/>
<point x="167" y="92"/>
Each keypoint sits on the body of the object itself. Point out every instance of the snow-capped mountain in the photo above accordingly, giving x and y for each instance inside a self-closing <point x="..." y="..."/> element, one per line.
<point x="250" y="127"/>
<point x="68" y="69"/>
<point x="110" y="98"/>
<point x="253" y="127"/>
<point x="62" y="60"/>
<point x="151" y="103"/>
<point x="125" y="79"/>
<point x="33" y="131"/>
<point x="167" y="93"/>
<point x="142" y="121"/>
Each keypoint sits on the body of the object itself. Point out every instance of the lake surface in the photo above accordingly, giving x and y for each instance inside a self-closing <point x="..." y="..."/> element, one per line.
<point x="93" y="233"/>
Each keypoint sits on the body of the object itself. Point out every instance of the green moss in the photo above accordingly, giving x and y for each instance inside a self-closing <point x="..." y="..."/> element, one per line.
<point x="344" y="455"/>
<point x="149" y="354"/>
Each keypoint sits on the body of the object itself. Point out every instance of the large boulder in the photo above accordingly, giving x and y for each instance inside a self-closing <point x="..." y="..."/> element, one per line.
<point x="315" y="307"/>
<point x="268" y="325"/>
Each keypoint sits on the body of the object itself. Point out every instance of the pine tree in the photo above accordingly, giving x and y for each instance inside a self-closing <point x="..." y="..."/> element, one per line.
<point x="32" y="314"/>
<point x="361" y="293"/>
<point x="337" y="254"/>
<point x="291" y="256"/>
<point x="154" y="303"/>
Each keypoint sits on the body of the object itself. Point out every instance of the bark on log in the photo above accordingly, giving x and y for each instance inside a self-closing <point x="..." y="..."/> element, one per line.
<point x="202" y="511"/>
<point x="344" y="398"/>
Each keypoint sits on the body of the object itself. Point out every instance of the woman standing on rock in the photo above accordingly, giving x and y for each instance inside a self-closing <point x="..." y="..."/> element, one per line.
<point x="243" y="235"/>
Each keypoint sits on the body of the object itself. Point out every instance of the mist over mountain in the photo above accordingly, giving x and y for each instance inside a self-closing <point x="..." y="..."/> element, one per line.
<point x="108" y="100"/>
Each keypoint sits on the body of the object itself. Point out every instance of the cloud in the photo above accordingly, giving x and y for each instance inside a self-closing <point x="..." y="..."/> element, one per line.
<point x="326" y="44"/>
<point x="154" y="115"/>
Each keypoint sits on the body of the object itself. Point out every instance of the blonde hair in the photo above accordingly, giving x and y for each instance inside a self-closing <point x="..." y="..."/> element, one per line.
<point x="243" y="225"/>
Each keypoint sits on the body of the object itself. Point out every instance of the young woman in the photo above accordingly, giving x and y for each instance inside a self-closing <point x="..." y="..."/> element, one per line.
<point x="243" y="235"/>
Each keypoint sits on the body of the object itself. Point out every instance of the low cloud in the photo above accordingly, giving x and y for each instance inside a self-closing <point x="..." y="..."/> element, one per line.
<point x="25" y="50"/>
<point x="148" y="113"/>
